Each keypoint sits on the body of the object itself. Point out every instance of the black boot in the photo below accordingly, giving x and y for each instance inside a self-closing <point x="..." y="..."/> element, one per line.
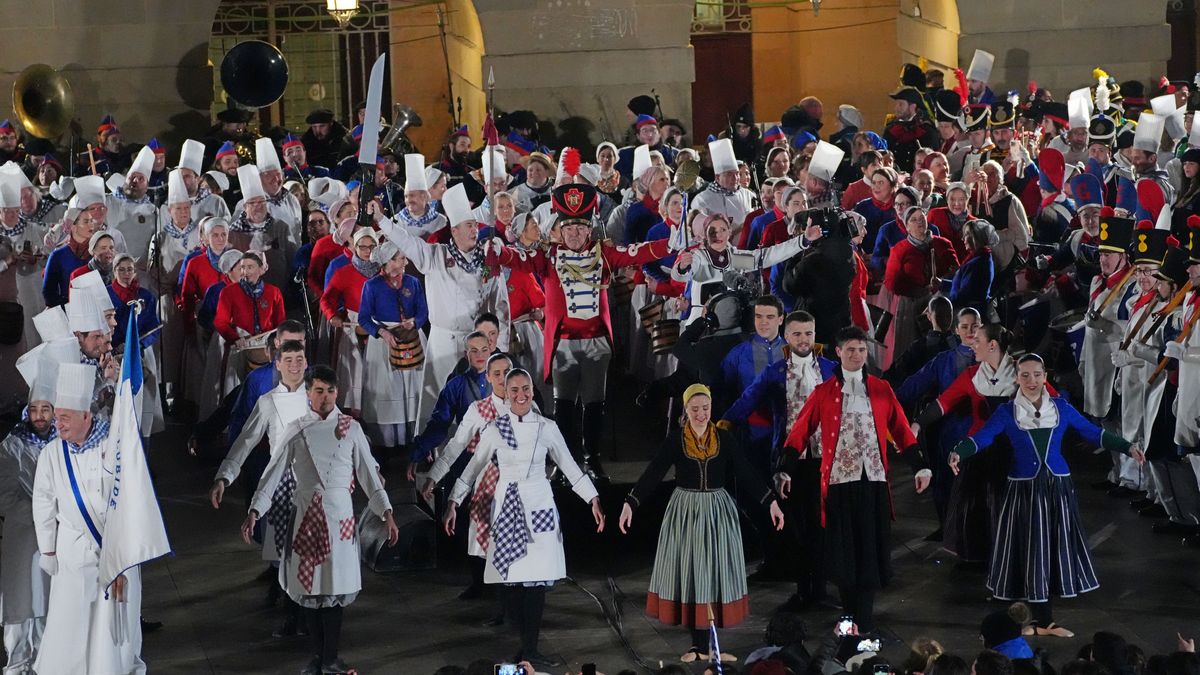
<point x="593" y="435"/>
<point x="566" y="415"/>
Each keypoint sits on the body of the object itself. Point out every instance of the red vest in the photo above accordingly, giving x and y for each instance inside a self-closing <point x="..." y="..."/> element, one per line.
<point x="235" y="310"/>
<point x="344" y="292"/>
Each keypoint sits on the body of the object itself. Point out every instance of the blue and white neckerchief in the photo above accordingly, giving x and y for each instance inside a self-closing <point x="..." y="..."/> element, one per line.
<point x="120" y="196"/>
<point x="471" y="265"/>
<point x="242" y="224"/>
<point x="214" y="259"/>
<point x="279" y="198"/>
<point x="15" y="231"/>
<point x="367" y="268"/>
<point x="254" y="292"/>
<point x="175" y="233"/>
<point x="504" y="426"/>
<point x="714" y="187"/>
<point x="88" y="361"/>
<point x="25" y="433"/>
<point x="97" y="435"/>
<point x="410" y="220"/>
<point x="202" y="192"/>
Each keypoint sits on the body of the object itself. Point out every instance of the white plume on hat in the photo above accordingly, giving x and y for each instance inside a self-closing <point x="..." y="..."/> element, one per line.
<point x="191" y="156"/>
<point x="74" y="387"/>
<point x="176" y="189"/>
<point x="825" y="161"/>
<point x="88" y="190"/>
<point x="143" y="163"/>
<point x="1149" y="132"/>
<point x="414" y="173"/>
<point x="266" y="159"/>
<point x="457" y="205"/>
<point x="250" y="182"/>
<point x="723" y="159"/>
<point x="642" y="161"/>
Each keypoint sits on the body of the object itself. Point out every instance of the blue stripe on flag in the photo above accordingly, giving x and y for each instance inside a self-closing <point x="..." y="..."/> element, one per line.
<point x="131" y="363"/>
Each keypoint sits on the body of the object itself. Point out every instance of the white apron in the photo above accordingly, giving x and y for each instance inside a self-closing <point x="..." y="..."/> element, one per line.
<point x="1187" y="397"/>
<point x="326" y="471"/>
<point x="1102" y="335"/>
<point x="349" y="365"/>
<point x="526" y="537"/>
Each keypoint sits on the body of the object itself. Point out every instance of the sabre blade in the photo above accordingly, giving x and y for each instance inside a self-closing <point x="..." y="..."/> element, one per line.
<point x="369" y="147"/>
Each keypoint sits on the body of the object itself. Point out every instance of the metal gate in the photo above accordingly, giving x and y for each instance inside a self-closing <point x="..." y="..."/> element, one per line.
<point x="328" y="66"/>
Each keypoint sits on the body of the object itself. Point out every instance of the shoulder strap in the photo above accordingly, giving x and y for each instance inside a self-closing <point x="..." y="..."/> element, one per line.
<point x="87" y="517"/>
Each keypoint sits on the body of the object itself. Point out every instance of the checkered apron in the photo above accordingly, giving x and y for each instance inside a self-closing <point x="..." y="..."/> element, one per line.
<point x="311" y="544"/>
<point x="485" y="491"/>
<point x="511" y="534"/>
<point x="279" y="516"/>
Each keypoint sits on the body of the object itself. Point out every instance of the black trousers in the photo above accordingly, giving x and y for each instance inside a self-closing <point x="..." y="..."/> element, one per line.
<point x="525" y="605"/>
<point x="325" y="631"/>
<point x="802" y="514"/>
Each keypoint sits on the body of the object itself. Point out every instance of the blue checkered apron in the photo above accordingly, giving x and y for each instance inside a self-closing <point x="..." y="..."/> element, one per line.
<point x="282" y="508"/>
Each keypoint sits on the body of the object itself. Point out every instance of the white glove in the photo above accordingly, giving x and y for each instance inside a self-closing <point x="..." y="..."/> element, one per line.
<point x="48" y="563"/>
<point x="1042" y="262"/>
<point x="675" y="243"/>
<point x="1143" y="352"/>
<point x="1174" y="350"/>
<point x="495" y="245"/>
<point x="1121" y="358"/>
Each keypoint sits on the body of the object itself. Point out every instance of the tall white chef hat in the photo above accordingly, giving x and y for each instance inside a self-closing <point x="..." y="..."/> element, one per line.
<point x="143" y="163"/>
<point x="176" y="189"/>
<point x="493" y="161"/>
<point x="981" y="66"/>
<point x="192" y="156"/>
<point x="51" y="324"/>
<point x="641" y="160"/>
<point x="825" y="161"/>
<point x="457" y="205"/>
<point x="88" y="190"/>
<point x="414" y="173"/>
<point x="74" y="387"/>
<point x="721" y="152"/>
<point x="1149" y="132"/>
<point x="84" y="315"/>
<point x="250" y="182"/>
<point x="93" y="284"/>
<point x="265" y="157"/>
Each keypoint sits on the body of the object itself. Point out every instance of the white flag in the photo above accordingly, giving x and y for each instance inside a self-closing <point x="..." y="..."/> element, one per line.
<point x="134" y="532"/>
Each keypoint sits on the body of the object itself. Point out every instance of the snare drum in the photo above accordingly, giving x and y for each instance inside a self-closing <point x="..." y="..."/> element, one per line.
<point x="408" y="354"/>
<point x="664" y="335"/>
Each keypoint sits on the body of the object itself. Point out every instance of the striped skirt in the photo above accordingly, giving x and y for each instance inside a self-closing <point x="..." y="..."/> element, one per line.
<point x="699" y="563"/>
<point x="1041" y="549"/>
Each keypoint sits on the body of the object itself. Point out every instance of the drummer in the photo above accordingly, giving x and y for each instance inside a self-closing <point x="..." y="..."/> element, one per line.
<point x="392" y="313"/>
<point x="339" y="304"/>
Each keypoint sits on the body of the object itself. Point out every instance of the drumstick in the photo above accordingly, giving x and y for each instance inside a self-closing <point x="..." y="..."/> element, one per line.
<point x="1112" y="294"/>
<point x="1183" y="336"/>
<point x="91" y="158"/>
<point x="1161" y="315"/>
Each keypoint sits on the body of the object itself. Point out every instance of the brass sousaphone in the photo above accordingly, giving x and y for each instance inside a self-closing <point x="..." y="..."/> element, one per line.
<point x="43" y="101"/>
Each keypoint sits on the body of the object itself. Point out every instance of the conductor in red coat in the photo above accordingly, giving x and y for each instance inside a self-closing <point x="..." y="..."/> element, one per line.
<point x="578" y="334"/>
<point x="857" y="413"/>
<point x="252" y="305"/>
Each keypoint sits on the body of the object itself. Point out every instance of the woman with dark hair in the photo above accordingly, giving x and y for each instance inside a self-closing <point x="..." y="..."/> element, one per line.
<point x="879" y="207"/>
<point x="1187" y="203"/>
<point x="972" y="282"/>
<point x="1040" y="547"/>
<point x="699" y="564"/>
<point x="525" y="551"/>
<point x="911" y="276"/>
<point x="893" y="231"/>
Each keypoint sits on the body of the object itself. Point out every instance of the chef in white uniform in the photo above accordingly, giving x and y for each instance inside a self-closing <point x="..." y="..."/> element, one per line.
<point x="191" y="166"/>
<point x="459" y="286"/>
<point x="281" y="204"/>
<point x="130" y="208"/>
<point x="86" y="632"/>
<point x="328" y="454"/>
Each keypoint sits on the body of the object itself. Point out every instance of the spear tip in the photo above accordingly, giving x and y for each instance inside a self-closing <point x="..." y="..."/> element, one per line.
<point x="491" y="76"/>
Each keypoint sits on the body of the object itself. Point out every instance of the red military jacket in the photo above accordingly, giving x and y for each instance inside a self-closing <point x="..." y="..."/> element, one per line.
<point x="325" y="250"/>
<point x="541" y="263"/>
<point x="235" y="310"/>
<point x="525" y="294"/>
<point x="824" y="409"/>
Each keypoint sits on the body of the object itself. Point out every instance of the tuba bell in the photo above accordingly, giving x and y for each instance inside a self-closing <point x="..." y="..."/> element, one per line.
<point x="254" y="73"/>
<point x="43" y="101"/>
<point x="403" y="117"/>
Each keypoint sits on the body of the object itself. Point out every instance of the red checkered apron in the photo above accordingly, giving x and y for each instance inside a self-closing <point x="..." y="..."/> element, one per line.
<point x="481" y="504"/>
<point x="312" y="541"/>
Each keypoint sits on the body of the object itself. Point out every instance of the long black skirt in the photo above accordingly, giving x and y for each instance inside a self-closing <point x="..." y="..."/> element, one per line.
<point x="858" y="534"/>
<point x="1041" y="549"/>
<point x="975" y="499"/>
